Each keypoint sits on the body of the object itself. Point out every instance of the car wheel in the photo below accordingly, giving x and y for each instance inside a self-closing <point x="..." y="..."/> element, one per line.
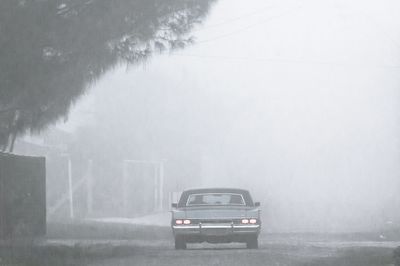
<point x="252" y="243"/>
<point x="180" y="243"/>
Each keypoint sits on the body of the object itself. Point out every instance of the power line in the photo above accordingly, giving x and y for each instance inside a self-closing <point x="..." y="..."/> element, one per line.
<point x="234" y="19"/>
<point x="285" y="60"/>
<point x="277" y="60"/>
<point x="247" y="27"/>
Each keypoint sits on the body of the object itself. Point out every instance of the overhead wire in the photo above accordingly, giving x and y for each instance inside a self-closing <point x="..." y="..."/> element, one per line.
<point x="228" y="21"/>
<point x="277" y="60"/>
<point x="248" y="27"/>
<point x="287" y="60"/>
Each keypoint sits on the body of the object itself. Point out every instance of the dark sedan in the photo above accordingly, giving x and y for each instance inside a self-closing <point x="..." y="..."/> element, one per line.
<point x="216" y="215"/>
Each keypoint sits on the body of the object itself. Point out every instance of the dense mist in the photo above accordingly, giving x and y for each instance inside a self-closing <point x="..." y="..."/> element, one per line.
<point x="297" y="101"/>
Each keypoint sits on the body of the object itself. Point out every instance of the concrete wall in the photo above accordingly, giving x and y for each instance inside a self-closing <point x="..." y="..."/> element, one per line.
<point x="22" y="196"/>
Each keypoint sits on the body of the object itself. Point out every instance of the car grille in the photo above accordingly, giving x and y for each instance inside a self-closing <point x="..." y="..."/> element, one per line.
<point x="216" y="221"/>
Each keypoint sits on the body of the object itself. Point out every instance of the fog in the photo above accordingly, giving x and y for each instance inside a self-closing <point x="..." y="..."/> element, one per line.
<point x="297" y="101"/>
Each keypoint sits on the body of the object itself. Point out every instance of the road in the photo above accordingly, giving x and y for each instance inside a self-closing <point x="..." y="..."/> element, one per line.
<point x="281" y="250"/>
<point x="100" y="245"/>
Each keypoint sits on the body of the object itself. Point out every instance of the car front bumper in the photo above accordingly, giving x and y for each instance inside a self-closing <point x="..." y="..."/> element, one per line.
<point x="216" y="230"/>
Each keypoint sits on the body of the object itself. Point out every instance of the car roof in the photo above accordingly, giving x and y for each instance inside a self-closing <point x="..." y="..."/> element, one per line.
<point x="217" y="190"/>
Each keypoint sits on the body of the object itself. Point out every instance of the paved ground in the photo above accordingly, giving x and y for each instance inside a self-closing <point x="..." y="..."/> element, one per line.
<point x="273" y="251"/>
<point x="117" y="242"/>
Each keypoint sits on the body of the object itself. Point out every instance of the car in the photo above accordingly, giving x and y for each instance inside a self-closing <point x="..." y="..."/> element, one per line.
<point x="216" y="215"/>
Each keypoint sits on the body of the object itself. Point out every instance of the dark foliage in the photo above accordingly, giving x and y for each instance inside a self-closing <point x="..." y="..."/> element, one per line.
<point x="52" y="50"/>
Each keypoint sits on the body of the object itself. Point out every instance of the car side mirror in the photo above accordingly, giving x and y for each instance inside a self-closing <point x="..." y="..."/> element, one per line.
<point x="174" y="205"/>
<point x="257" y="204"/>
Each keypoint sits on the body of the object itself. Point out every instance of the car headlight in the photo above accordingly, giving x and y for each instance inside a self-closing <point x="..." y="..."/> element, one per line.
<point x="253" y="221"/>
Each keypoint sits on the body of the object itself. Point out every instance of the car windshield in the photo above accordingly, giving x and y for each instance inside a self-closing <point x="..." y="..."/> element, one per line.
<point x="215" y="199"/>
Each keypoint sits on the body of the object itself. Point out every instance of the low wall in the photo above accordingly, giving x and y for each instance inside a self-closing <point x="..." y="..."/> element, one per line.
<point x="22" y="196"/>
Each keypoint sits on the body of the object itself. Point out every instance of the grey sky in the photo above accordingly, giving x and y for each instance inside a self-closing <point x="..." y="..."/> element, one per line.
<point x="307" y="92"/>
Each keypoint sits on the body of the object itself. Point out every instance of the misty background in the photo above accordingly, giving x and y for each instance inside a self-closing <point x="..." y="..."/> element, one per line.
<point x="297" y="101"/>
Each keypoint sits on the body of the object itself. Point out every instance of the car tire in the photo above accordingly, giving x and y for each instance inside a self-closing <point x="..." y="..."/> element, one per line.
<point x="252" y="243"/>
<point x="180" y="243"/>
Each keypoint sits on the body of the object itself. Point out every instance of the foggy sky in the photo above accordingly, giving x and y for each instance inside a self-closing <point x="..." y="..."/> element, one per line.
<point x="297" y="101"/>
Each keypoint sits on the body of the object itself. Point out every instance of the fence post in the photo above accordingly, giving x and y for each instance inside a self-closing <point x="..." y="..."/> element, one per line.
<point x="70" y="189"/>
<point x="156" y="170"/>
<point x="161" y="185"/>
<point x="125" y="188"/>
<point x="89" y="188"/>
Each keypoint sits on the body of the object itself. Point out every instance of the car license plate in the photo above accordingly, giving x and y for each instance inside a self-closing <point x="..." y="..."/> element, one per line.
<point x="208" y="230"/>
